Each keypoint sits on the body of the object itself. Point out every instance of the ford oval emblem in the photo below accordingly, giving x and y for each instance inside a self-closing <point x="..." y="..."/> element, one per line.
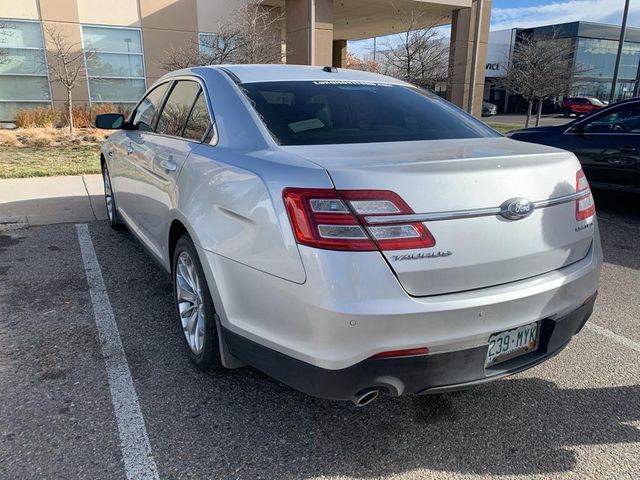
<point x="516" y="208"/>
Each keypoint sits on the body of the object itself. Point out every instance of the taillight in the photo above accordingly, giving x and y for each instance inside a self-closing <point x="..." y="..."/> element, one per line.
<point x="335" y="220"/>
<point x="321" y="219"/>
<point x="585" y="206"/>
<point x="390" y="235"/>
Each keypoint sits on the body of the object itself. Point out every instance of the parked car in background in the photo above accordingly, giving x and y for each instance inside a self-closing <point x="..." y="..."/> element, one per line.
<point x="607" y="143"/>
<point x="581" y="105"/>
<point x="489" y="109"/>
<point x="350" y="234"/>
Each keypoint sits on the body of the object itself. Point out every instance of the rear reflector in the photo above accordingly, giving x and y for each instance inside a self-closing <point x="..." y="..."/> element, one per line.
<point x="585" y="206"/>
<point x="402" y="353"/>
<point x="335" y="220"/>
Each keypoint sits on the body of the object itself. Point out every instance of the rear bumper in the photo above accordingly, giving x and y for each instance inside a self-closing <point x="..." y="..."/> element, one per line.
<point x="352" y="307"/>
<point x="433" y="373"/>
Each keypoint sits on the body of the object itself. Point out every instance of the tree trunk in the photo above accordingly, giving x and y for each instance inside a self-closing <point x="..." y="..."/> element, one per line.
<point x="529" y="108"/>
<point x="539" y="112"/>
<point x="70" y="110"/>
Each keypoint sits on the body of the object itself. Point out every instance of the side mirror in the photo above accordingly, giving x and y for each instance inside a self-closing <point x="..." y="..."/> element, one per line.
<point x="110" y="121"/>
<point x="577" y="128"/>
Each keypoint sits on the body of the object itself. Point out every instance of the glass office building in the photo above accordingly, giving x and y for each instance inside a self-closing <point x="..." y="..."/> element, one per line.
<point x="595" y="48"/>
<point x="24" y="81"/>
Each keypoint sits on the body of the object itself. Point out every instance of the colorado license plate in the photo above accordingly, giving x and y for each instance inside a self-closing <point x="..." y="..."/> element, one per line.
<point x="513" y="343"/>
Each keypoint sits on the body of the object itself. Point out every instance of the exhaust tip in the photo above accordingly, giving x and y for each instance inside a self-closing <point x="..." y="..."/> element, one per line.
<point x="365" y="397"/>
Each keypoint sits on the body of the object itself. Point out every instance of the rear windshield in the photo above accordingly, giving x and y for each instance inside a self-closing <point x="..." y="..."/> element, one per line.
<point x="331" y="112"/>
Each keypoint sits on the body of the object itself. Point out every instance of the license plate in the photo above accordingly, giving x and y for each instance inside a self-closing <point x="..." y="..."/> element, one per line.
<point x="513" y="343"/>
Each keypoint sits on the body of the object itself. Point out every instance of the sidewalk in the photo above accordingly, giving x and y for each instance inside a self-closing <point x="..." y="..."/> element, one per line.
<point x="46" y="200"/>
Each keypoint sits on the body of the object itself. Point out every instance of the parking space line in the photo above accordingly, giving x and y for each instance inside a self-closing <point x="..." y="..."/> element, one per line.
<point x="605" y="332"/>
<point x="134" y="442"/>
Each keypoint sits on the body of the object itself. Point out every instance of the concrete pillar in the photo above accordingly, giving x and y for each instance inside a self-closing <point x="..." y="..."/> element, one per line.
<point x="340" y="53"/>
<point x="309" y="32"/>
<point x="468" y="56"/>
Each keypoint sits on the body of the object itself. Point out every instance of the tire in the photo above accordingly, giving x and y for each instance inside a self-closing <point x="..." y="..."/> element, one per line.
<point x="566" y="112"/>
<point x="191" y="294"/>
<point x="110" y="201"/>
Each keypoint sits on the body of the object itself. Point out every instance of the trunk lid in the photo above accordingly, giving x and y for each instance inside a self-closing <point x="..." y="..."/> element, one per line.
<point x="443" y="176"/>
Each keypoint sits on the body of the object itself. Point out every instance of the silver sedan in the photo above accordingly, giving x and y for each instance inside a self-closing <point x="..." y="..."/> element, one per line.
<point x="349" y="234"/>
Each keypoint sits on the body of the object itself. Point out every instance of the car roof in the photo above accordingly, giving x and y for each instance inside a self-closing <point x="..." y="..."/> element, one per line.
<point x="282" y="73"/>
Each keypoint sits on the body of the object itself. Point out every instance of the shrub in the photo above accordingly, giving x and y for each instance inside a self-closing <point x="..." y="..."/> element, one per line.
<point x="84" y="117"/>
<point x="81" y="116"/>
<point x="25" y="118"/>
<point x="100" y="108"/>
<point x="37" y="117"/>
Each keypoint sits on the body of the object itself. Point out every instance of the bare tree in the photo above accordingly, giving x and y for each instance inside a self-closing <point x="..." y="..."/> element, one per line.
<point x="66" y="64"/>
<point x="540" y="68"/>
<point x="252" y="34"/>
<point x="419" y="55"/>
<point x="356" y="63"/>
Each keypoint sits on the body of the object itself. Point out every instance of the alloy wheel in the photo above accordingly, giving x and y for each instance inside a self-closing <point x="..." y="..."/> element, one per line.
<point x="190" y="302"/>
<point x="108" y="194"/>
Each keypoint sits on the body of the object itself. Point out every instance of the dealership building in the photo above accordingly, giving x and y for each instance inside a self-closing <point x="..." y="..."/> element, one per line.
<point x="594" y="46"/>
<point x="130" y="38"/>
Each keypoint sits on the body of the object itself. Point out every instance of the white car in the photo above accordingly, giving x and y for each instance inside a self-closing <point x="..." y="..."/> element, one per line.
<point x="349" y="234"/>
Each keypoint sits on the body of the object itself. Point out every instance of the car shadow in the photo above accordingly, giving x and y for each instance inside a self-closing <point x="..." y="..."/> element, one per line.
<point x="243" y="424"/>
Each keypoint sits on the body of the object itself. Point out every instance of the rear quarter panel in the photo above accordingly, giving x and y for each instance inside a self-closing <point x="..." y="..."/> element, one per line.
<point x="231" y="202"/>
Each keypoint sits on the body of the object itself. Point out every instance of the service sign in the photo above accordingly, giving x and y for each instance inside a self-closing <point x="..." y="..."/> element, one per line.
<point x="498" y="52"/>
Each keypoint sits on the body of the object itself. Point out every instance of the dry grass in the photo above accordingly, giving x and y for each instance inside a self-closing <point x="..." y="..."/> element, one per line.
<point x="51" y="137"/>
<point x="30" y="161"/>
<point x="8" y="138"/>
<point x="40" y="152"/>
<point x="503" y="127"/>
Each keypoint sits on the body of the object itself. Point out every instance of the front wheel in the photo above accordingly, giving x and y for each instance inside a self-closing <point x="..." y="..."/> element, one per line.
<point x="195" y="307"/>
<point x="110" y="200"/>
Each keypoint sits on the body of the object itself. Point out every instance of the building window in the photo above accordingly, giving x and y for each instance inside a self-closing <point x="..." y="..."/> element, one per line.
<point x="208" y="43"/>
<point x="596" y="59"/>
<point x="214" y="49"/>
<point x="24" y="81"/>
<point x="115" y="64"/>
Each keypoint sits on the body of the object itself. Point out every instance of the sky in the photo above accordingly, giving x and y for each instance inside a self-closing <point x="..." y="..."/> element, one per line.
<point x="532" y="13"/>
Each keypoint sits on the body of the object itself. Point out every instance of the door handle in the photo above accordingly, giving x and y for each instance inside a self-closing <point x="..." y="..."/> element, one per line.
<point x="168" y="165"/>
<point x="129" y="149"/>
<point x="628" y="149"/>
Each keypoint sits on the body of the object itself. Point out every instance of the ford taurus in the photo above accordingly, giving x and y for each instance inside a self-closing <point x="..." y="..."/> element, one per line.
<point x="350" y="234"/>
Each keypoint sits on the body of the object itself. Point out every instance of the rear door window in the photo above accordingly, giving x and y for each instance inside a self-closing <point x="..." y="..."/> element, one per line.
<point x="199" y="120"/>
<point x="177" y="108"/>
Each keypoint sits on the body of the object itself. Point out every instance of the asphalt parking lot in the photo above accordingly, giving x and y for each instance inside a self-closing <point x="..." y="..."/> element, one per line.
<point x="577" y="416"/>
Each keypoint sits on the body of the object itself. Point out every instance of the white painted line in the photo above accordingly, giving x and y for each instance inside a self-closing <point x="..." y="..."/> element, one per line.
<point x="134" y="442"/>
<point x="605" y="332"/>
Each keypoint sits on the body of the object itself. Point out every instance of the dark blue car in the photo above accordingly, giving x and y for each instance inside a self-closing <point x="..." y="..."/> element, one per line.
<point x="607" y="143"/>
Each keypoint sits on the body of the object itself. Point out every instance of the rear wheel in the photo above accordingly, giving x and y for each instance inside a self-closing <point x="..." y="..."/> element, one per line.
<point x="566" y="112"/>
<point x="110" y="200"/>
<point x="195" y="307"/>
